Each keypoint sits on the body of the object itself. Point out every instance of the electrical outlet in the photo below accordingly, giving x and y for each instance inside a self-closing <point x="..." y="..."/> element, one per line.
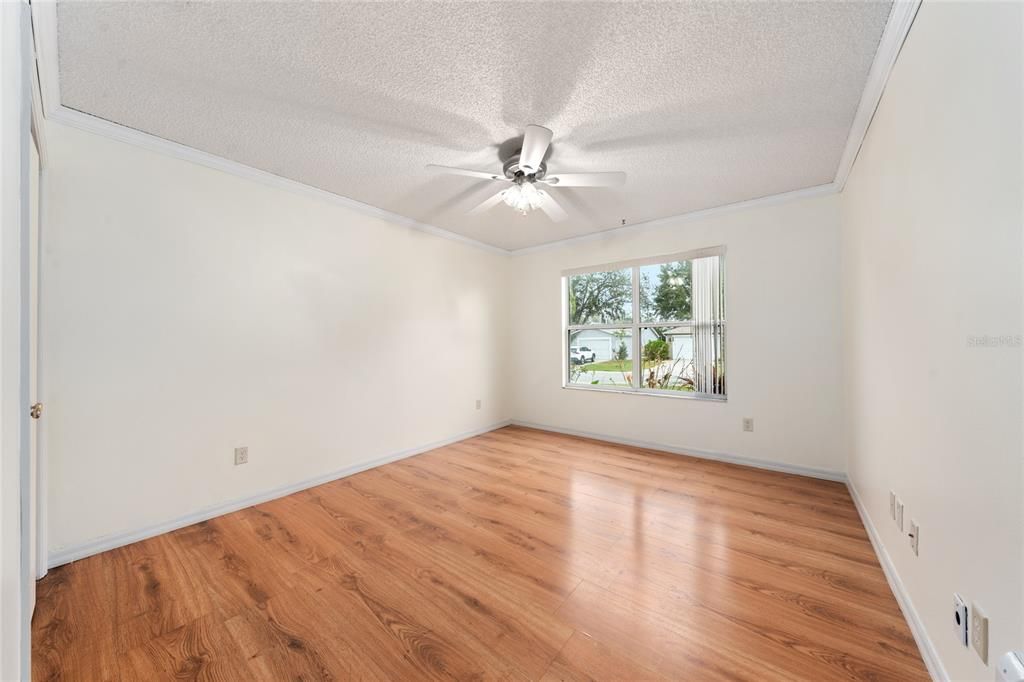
<point x="960" y="619"/>
<point x="479" y="404"/>
<point x="892" y="505"/>
<point x="899" y="515"/>
<point x="241" y="455"/>
<point x="915" y="536"/>
<point x="748" y="424"/>
<point x="979" y="632"/>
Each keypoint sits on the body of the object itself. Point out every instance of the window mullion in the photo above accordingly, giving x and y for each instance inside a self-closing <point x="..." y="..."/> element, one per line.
<point x="584" y="327"/>
<point x="638" y="362"/>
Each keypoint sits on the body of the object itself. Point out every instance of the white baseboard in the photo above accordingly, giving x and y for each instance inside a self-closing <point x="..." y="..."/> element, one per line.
<point x="924" y="643"/>
<point x="825" y="474"/>
<point x="102" y="544"/>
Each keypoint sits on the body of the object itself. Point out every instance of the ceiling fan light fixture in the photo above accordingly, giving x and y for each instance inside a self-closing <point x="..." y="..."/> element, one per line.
<point x="523" y="197"/>
<point x="522" y="170"/>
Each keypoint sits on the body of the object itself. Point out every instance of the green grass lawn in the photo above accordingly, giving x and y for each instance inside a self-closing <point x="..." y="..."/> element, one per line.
<point x="613" y="366"/>
<point x="609" y="366"/>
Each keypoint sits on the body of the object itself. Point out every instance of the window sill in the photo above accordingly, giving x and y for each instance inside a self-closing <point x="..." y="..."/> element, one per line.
<point x="672" y="395"/>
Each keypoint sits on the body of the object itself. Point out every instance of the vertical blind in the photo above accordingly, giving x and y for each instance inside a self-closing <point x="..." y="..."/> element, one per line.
<point x="708" y="325"/>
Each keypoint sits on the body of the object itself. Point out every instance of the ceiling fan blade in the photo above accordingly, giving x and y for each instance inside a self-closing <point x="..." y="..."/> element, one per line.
<point x="552" y="208"/>
<point x="487" y="204"/>
<point x="464" y="171"/>
<point x="535" y="146"/>
<point x="586" y="179"/>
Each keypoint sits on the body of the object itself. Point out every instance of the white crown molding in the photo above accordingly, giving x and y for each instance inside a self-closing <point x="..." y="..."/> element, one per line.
<point x="682" y="218"/>
<point x="44" y="25"/>
<point x="44" y="37"/>
<point x="44" y="19"/>
<point x="897" y="27"/>
<point x="901" y="18"/>
<point x="38" y="129"/>
<point x="121" y="133"/>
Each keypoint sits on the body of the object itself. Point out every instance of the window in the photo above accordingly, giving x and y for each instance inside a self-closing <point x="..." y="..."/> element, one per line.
<point x="652" y="326"/>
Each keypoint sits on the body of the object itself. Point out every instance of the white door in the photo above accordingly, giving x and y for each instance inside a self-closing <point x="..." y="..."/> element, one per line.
<point x="33" y="368"/>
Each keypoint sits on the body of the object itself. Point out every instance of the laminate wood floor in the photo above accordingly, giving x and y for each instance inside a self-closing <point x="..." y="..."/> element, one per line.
<point x="515" y="555"/>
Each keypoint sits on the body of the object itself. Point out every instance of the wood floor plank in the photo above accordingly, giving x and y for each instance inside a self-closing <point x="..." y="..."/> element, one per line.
<point x="454" y="542"/>
<point x="274" y="651"/>
<point x="584" y="658"/>
<point x="702" y="599"/>
<point x="73" y="635"/>
<point x="199" y="650"/>
<point x="515" y="555"/>
<point x="663" y="645"/>
<point x="515" y="629"/>
<point x="405" y="621"/>
<point x="156" y="592"/>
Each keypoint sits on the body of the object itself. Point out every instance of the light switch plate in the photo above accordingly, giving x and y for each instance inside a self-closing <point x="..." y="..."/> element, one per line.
<point x="915" y="536"/>
<point x="979" y="632"/>
<point x="899" y="515"/>
<point x="892" y="505"/>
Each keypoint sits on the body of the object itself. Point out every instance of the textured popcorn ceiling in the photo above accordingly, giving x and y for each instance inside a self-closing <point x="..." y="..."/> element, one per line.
<point x="701" y="103"/>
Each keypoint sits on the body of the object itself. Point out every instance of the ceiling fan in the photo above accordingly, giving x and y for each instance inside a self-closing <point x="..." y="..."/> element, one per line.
<point x="525" y="170"/>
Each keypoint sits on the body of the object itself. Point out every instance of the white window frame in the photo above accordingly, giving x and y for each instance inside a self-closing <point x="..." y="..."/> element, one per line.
<point x="636" y="325"/>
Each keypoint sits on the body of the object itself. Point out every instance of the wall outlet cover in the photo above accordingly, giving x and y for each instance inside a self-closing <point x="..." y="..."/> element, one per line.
<point x="960" y="619"/>
<point x="748" y="424"/>
<point x="915" y="536"/>
<point x="979" y="632"/>
<point x="241" y="455"/>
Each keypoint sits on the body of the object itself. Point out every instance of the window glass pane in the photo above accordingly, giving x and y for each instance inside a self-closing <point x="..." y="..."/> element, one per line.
<point x="687" y="358"/>
<point x="668" y="358"/>
<point x="666" y="292"/>
<point x="601" y="297"/>
<point x="601" y="357"/>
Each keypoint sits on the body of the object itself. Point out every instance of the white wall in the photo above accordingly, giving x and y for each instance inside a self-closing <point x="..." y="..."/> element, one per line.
<point x="782" y="288"/>
<point x="932" y="257"/>
<point x="187" y="311"/>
